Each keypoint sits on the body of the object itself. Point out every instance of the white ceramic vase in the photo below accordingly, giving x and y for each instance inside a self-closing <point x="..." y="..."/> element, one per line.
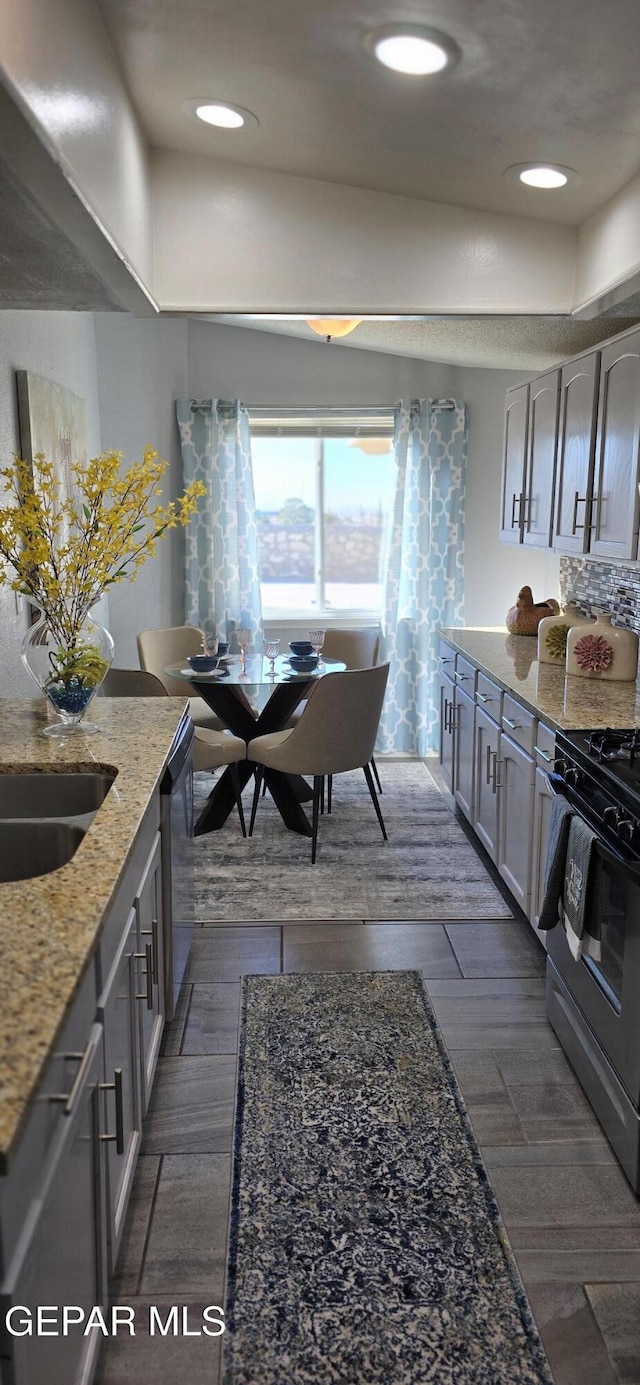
<point x="602" y="651"/>
<point x="553" y="632"/>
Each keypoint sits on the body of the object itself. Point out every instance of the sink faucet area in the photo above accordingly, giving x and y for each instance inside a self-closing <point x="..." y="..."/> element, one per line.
<point x="44" y="817"/>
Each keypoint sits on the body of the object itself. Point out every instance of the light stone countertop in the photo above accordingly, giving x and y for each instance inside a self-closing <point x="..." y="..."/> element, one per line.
<point x="563" y="701"/>
<point x="50" y="925"/>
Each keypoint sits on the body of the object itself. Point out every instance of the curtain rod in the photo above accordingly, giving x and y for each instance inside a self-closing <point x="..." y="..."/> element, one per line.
<point x="201" y="406"/>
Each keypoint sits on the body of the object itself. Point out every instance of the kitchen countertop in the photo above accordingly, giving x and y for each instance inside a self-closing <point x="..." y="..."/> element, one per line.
<point x="563" y="701"/>
<point x="50" y="925"/>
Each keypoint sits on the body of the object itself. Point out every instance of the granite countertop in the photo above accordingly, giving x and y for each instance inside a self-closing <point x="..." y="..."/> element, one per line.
<point x="564" y="701"/>
<point x="50" y="925"/>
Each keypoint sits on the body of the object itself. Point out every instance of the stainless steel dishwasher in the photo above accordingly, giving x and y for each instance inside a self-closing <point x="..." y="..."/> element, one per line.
<point x="176" y="825"/>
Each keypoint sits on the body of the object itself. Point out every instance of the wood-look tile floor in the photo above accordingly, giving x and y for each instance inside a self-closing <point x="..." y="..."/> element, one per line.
<point x="572" y="1219"/>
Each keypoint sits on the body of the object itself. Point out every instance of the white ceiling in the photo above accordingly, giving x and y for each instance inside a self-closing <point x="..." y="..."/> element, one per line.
<point x="549" y="80"/>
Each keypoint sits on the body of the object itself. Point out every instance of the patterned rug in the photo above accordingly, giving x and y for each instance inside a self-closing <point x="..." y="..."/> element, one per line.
<point x="366" y="1244"/>
<point x="427" y="870"/>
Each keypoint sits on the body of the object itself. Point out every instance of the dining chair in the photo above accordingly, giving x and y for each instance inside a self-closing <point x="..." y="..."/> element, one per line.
<point x="356" y="649"/>
<point x="173" y="645"/>
<point x="335" y="733"/>
<point x="211" y="749"/>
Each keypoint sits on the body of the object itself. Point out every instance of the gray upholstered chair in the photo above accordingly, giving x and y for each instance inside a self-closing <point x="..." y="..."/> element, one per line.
<point x="335" y="733"/>
<point x="211" y="749"/>
<point x="356" y="649"/>
<point x="157" y="648"/>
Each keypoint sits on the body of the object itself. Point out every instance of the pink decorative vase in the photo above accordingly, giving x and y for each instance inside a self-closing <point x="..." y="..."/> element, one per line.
<point x="602" y="651"/>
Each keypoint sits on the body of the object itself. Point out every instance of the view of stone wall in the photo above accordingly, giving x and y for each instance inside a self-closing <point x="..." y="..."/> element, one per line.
<point x="600" y="586"/>
<point x="351" y="552"/>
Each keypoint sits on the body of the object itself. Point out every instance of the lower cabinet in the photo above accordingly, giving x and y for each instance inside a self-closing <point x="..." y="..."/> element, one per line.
<point x="122" y="1118"/>
<point x="149" y="952"/>
<point x="463" y="743"/>
<point x="543" y="799"/>
<point x="516" y="773"/>
<point x="485" y="817"/>
<point x="446" y="729"/>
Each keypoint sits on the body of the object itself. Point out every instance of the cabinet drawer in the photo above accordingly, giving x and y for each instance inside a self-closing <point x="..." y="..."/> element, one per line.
<point x="489" y="697"/>
<point x="545" y="746"/>
<point x="465" y="675"/>
<point x="446" y="657"/>
<point x="518" y="723"/>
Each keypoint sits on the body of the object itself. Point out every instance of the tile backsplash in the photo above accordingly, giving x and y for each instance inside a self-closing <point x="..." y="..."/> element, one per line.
<point x="599" y="586"/>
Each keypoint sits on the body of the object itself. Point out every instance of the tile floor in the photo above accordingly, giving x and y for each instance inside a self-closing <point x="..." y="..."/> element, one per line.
<point x="573" y="1221"/>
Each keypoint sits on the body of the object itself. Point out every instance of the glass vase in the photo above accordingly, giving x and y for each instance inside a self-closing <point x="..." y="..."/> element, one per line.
<point x="68" y="670"/>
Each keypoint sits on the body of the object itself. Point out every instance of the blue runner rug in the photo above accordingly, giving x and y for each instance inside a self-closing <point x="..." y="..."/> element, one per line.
<point x="366" y="1243"/>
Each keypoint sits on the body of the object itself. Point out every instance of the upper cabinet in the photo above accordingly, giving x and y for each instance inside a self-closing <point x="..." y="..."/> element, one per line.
<point x="614" y="518"/>
<point x="540" y="479"/>
<point x="576" y="446"/>
<point x="516" y="433"/>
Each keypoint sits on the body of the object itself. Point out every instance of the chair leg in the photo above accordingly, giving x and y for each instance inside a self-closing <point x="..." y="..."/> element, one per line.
<point x="238" y="791"/>
<point x="370" y="784"/>
<point x="317" y="788"/>
<point x="329" y="791"/>
<point x="322" y="795"/>
<point x="376" y="776"/>
<point x="256" y="795"/>
<point x="264" y="788"/>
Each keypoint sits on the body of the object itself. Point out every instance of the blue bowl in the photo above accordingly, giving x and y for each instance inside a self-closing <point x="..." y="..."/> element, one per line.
<point x="203" y="663"/>
<point x="301" y="648"/>
<point x="303" y="663"/>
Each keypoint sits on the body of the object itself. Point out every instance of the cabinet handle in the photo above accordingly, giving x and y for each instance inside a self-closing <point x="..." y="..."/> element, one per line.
<point x="464" y="677"/>
<point x="578" y="499"/>
<point x="148" y="993"/>
<point x="116" y="1086"/>
<point x="596" y="500"/>
<point x="543" y="754"/>
<point x="482" y="697"/>
<point x="445" y="714"/>
<point x="517" y="500"/>
<point x="449" y="721"/>
<point x="70" y="1099"/>
<point x="152" y="933"/>
<point x="494" y="778"/>
<point x="488" y="766"/>
<point x="442" y="659"/>
<point x="515" y="725"/>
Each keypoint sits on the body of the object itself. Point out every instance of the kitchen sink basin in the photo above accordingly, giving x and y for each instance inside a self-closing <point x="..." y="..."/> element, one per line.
<point x="53" y="795"/>
<point x="31" y="848"/>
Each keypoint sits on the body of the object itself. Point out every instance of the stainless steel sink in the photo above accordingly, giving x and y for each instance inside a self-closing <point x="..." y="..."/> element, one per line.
<point x="31" y="848"/>
<point x="54" y="795"/>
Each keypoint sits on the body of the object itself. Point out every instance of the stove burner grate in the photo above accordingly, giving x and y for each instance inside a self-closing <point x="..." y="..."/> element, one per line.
<point x="610" y="744"/>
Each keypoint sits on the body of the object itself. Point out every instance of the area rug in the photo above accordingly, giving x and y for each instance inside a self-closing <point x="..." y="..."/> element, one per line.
<point x="427" y="870"/>
<point x="366" y="1244"/>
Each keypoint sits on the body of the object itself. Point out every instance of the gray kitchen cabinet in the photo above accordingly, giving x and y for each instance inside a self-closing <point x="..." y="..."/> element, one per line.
<point x="515" y="781"/>
<point x="614" y="519"/>
<point x="122" y="1119"/>
<point x="486" y="801"/>
<point x="446" y="686"/>
<point x="516" y="425"/>
<point x="543" y="799"/>
<point x="463" y="750"/>
<point x="576" y="450"/>
<point x="150" y="994"/>
<point x="544" y="412"/>
<point x="60" y="1256"/>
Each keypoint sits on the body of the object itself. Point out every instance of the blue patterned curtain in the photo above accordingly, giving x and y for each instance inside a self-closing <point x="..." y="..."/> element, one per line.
<point x="424" y="567"/>
<point x="222" y="573"/>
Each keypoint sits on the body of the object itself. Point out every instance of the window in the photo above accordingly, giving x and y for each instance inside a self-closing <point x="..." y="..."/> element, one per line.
<point x="324" y="491"/>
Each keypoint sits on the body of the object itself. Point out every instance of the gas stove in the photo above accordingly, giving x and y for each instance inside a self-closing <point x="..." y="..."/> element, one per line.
<point x="600" y="771"/>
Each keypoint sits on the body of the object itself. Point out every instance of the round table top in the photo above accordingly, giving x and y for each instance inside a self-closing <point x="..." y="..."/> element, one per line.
<point x="229" y="671"/>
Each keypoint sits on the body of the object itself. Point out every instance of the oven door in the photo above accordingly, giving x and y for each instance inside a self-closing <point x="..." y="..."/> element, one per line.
<point x="607" y="991"/>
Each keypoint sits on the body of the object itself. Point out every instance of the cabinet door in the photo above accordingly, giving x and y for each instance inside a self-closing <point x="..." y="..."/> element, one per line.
<point x="543" y="798"/>
<point x="513" y="464"/>
<point x="485" y="818"/>
<point x="463" y="722"/>
<point x="544" y="410"/>
<point x="576" y="447"/>
<point x="614" y="522"/>
<point x="121" y="1120"/>
<point x="61" y="1262"/>
<point x="516" y="771"/>
<point x="150" y="970"/>
<point x="446" y="729"/>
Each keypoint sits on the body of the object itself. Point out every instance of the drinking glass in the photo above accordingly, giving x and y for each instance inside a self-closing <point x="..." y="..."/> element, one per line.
<point x="210" y="643"/>
<point x="244" y="640"/>
<point x="316" y="639"/>
<point x="272" y="649"/>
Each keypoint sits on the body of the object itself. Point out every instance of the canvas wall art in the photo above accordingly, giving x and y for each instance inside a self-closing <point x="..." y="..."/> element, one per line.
<point x="53" y="420"/>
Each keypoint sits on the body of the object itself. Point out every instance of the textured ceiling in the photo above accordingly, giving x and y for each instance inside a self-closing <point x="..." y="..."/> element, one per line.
<point x="536" y="80"/>
<point x="502" y="343"/>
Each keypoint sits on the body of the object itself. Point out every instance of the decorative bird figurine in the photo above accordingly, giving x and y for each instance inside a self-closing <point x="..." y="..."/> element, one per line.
<point x="524" y="618"/>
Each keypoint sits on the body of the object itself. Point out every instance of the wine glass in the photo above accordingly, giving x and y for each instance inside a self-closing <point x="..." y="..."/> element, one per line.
<point x="244" y="640"/>
<point x="316" y="639"/>
<point x="209" y="643"/>
<point x="272" y="649"/>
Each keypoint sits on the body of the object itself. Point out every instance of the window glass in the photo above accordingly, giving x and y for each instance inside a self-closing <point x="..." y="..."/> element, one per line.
<point x="285" y="493"/>
<point x="358" y="497"/>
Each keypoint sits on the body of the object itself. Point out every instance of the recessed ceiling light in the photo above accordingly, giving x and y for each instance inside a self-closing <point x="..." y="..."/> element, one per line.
<point x="223" y="114"/>
<point x="543" y="175"/>
<point x="412" y="49"/>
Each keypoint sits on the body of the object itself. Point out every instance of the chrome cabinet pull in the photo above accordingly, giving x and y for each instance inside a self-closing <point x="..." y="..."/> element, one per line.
<point x="148" y="993"/>
<point x="596" y="501"/>
<point x="464" y="677"/>
<point x="488" y="765"/>
<point x="494" y="778"/>
<point x="117" y="1087"/>
<point x="443" y="660"/>
<point x="515" y="725"/>
<point x="578" y="499"/>
<point x="482" y="697"/>
<point x="70" y="1099"/>
<point x="517" y="500"/>
<point x="445" y="714"/>
<point x="152" y="933"/>
<point x="543" y="754"/>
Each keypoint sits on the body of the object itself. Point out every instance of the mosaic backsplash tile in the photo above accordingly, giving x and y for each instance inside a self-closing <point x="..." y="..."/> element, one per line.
<point x="597" y="586"/>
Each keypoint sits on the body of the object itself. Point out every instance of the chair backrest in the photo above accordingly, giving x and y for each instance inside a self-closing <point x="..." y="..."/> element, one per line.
<point x="157" y="648"/>
<point x="338" y="727"/>
<point x="355" y="648"/>
<point x="132" y="682"/>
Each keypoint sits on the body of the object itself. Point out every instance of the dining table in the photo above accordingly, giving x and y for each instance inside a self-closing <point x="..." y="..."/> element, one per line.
<point x="254" y="698"/>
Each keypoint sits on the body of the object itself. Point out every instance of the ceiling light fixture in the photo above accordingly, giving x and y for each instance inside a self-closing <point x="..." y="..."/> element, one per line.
<point x="546" y="176"/>
<point x="333" y="326"/>
<point x="412" y="49"/>
<point x="223" y="114"/>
